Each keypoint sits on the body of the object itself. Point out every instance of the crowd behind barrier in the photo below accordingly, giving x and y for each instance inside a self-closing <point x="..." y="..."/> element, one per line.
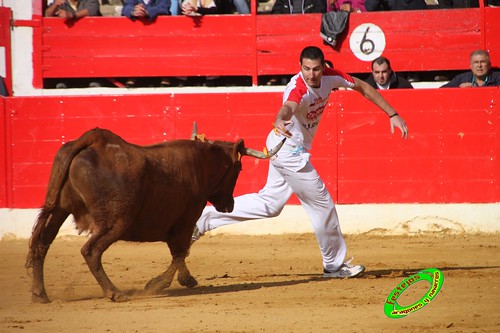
<point x="72" y="10"/>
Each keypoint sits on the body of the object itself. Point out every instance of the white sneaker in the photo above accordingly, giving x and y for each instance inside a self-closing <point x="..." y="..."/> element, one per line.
<point x="346" y="270"/>
<point x="196" y="235"/>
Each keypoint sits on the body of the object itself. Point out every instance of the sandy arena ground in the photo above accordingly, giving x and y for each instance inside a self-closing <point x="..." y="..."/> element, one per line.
<point x="258" y="284"/>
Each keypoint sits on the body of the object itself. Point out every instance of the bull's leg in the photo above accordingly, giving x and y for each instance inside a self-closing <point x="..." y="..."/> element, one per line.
<point x="92" y="251"/>
<point x="162" y="281"/>
<point x="184" y="276"/>
<point x="44" y="232"/>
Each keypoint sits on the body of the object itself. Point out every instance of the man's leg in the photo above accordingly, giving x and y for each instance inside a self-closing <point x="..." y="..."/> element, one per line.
<point x="319" y="206"/>
<point x="268" y="202"/>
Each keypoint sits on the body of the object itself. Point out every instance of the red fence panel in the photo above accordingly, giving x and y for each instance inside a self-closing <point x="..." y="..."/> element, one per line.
<point x="451" y="155"/>
<point x="169" y="46"/>
<point x="257" y="45"/>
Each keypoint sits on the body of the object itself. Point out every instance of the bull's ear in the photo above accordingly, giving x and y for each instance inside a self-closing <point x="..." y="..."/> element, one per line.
<point x="239" y="148"/>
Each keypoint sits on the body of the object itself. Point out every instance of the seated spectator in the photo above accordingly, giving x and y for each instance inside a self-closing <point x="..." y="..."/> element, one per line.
<point x="145" y="9"/>
<point x="384" y="5"/>
<point x="73" y="9"/>
<point x="480" y="75"/>
<point x="299" y="6"/>
<point x="383" y="77"/>
<point x="458" y="3"/>
<point x="202" y="7"/>
<point x="352" y="6"/>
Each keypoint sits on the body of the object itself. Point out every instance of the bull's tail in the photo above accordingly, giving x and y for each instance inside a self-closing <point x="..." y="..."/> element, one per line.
<point x="40" y="236"/>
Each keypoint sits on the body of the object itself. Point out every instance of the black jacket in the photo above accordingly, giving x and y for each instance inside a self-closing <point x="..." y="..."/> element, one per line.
<point x="383" y="5"/>
<point x="397" y="82"/>
<point x="308" y="6"/>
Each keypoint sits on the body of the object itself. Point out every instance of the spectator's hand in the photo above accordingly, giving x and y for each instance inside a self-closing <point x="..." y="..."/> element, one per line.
<point x="188" y="8"/>
<point x="465" y="85"/>
<point x="65" y="14"/>
<point x="140" y="11"/>
<point x="346" y="7"/>
<point x="398" y="122"/>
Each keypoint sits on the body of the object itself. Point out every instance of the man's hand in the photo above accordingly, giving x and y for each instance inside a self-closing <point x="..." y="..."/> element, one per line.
<point x="398" y="122"/>
<point x="280" y="127"/>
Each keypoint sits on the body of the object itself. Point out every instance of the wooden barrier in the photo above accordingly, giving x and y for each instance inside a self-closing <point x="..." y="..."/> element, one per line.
<point x="450" y="157"/>
<point x="258" y="45"/>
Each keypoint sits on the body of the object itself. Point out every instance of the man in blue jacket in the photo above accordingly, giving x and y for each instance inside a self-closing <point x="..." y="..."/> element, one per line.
<point x="146" y="9"/>
<point x="480" y="74"/>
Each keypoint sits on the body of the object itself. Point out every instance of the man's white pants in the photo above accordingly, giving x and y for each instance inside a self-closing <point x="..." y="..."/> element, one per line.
<point x="269" y="202"/>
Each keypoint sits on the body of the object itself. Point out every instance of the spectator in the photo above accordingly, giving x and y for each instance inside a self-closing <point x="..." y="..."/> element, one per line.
<point x="202" y="7"/>
<point x="145" y="9"/>
<point x="383" y="77"/>
<point x="299" y="6"/>
<point x="458" y="3"/>
<point x="352" y="6"/>
<point x="73" y="9"/>
<point x="480" y="75"/>
<point x="382" y="5"/>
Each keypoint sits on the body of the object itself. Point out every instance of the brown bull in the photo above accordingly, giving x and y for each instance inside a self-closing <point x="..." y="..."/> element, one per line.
<point x="120" y="191"/>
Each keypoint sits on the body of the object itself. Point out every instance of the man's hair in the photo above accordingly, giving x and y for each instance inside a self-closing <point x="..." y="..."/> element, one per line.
<point x="480" y="52"/>
<point x="313" y="53"/>
<point x="381" y="61"/>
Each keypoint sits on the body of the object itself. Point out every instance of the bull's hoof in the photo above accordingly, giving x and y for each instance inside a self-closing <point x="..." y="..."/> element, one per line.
<point x="156" y="285"/>
<point x="190" y="282"/>
<point x="119" y="297"/>
<point x="41" y="299"/>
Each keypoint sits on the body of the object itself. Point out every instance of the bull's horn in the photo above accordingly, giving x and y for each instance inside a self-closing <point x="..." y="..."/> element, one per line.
<point x="195" y="130"/>
<point x="264" y="155"/>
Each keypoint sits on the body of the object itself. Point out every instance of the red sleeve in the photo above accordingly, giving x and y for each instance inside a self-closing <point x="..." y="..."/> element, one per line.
<point x="336" y="72"/>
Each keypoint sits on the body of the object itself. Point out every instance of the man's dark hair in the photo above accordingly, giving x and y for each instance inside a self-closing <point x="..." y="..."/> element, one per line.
<point x="380" y="61"/>
<point x="313" y="53"/>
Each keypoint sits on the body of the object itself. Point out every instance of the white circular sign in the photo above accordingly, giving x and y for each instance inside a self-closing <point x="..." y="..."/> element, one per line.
<point x="367" y="41"/>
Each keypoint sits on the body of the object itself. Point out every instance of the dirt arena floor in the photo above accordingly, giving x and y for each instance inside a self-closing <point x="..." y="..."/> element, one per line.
<point x="258" y="284"/>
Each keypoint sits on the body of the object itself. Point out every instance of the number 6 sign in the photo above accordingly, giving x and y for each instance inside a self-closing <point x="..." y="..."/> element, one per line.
<point x="367" y="41"/>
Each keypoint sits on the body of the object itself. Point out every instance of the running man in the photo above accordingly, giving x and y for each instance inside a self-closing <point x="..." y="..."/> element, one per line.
<point x="290" y="171"/>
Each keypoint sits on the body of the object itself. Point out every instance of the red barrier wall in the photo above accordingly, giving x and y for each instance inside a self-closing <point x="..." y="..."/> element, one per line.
<point x="451" y="155"/>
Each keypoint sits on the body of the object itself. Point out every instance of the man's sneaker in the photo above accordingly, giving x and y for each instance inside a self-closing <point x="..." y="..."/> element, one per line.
<point x="196" y="235"/>
<point x="346" y="270"/>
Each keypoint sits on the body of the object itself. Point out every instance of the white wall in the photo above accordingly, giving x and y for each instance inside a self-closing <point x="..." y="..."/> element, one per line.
<point x="386" y="219"/>
<point x="22" y="49"/>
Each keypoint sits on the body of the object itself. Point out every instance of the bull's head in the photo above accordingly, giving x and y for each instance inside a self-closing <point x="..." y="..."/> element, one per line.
<point x="228" y="168"/>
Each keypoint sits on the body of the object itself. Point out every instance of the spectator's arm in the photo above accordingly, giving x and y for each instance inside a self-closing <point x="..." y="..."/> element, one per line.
<point x="160" y="8"/>
<point x="128" y="8"/>
<point x="53" y="8"/>
<point x="208" y="11"/>
<point x="92" y="8"/>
